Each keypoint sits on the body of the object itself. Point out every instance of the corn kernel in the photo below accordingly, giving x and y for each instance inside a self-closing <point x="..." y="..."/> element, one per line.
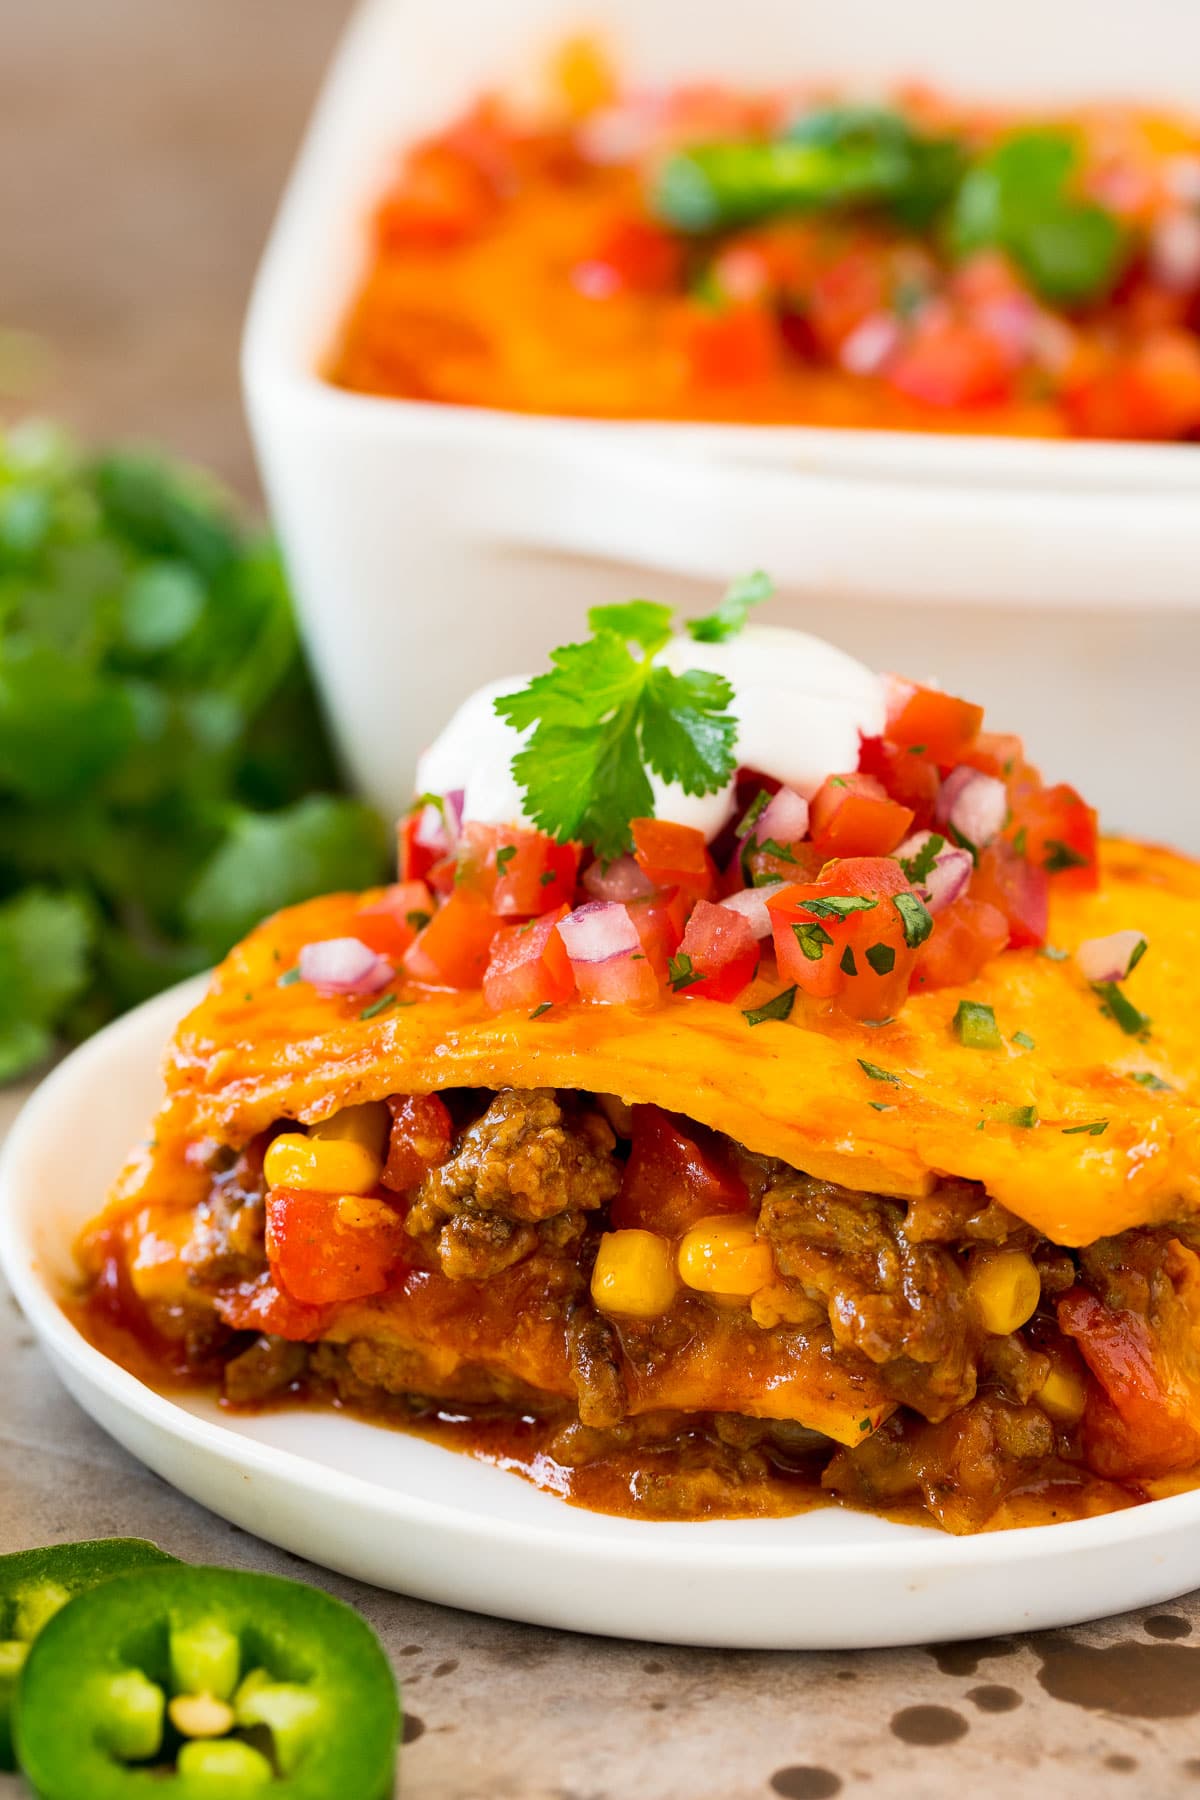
<point x="361" y="1214"/>
<point x="1063" y="1395"/>
<point x="633" y="1274"/>
<point x="722" y="1255"/>
<point x="323" y="1165"/>
<point x="1006" y="1288"/>
<point x="369" y="1125"/>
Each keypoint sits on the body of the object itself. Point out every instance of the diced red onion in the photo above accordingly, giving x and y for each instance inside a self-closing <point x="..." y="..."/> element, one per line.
<point x="344" y="966"/>
<point x="599" y="931"/>
<point x="751" y="903"/>
<point x="870" y="345"/>
<point x="439" y="827"/>
<point x="1011" y="321"/>
<point x="948" y="875"/>
<point x="975" y="804"/>
<point x="784" y="818"/>
<point x="621" y="879"/>
<point x="595" y="280"/>
<point x="1182" y="175"/>
<point x="1109" y="958"/>
<point x="1175" y="251"/>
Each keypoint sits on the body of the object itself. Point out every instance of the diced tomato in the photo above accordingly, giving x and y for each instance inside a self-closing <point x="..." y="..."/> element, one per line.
<point x="733" y="346"/>
<point x="639" y="256"/>
<point x="847" y="292"/>
<point x="1146" y="1421"/>
<point x="260" y="1305"/>
<point x="1017" y="889"/>
<point x="997" y="753"/>
<point x="390" y="924"/>
<point x="673" y="1178"/>
<point x="965" y="937"/>
<point x="323" y="1249"/>
<point x="673" y="856"/>
<point x="420" y="1139"/>
<point x="1151" y="390"/>
<point x="860" y="959"/>
<point x="907" y="776"/>
<point x="659" y="920"/>
<point x="415" y="860"/>
<point x="951" y="363"/>
<point x="851" y="815"/>
<point x="529" y="965"/>
<point x="621" y="981"/>
<point x="522" y="872"/>
<point x="1058" y="832"/>
<point x="442" y="198"/>
<point x="722" y="951"/>
<point x="930" y="723"/>
<point x="452" y="950"/>
<point x="757" y="865"/>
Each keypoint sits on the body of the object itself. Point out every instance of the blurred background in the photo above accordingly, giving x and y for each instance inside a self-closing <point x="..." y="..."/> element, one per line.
<point x="142" y="149"/>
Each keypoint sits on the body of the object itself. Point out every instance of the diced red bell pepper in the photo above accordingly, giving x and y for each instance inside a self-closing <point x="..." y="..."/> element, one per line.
<point x="1147" y="1420"/>
<point x="673" y="1178"/>
<point x="323" y="1249"/>
<point x="522" y="872"/>
<point x="1058" y="832"/>
<point x="851" y="815"/>
<point x="673" y="856"/>
<point x="659" y="920"/>
<point x="734" y="346"/>
<point x="390" y="923"/>
<point x="951" y="363"/>
<point x="1018" y="889"/>
<point x="420" y="1138"/>
<point x="452" y="950"/>
<point x="964" y="938"/>
<point x="638" y="256"/>
<point x="721" y="952"/>
<point x="858" y="958"/>
<point x="930" y="723"/>
<point x="906" y="776"/>
<point x="529" y="965"/>
<point x="259" y="1304"/>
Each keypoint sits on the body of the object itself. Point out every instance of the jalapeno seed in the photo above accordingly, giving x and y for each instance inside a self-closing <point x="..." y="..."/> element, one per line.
<point x="200" y="1716"/>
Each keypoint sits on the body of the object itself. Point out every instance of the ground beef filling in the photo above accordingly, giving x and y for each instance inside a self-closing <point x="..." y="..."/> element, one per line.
<point x="524" y="1197"/>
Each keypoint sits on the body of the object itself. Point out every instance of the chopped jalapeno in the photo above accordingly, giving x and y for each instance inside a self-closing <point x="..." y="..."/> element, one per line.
<point x="35" y="1584"/>
<point x="210" y="1684"/>
<point x="975" y="1023"/>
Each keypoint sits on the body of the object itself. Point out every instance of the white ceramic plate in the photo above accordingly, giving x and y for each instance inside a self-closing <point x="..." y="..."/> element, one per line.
<point x="426" y="1521"/>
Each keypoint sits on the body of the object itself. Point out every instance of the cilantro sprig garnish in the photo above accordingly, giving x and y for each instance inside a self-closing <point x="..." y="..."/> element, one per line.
<point x="728" y="619"/>
<point x="607" y="716"/>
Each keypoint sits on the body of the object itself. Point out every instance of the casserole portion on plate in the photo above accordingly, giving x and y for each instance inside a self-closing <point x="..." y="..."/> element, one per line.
<point x="760" y="1086"/>
<point x="791" y="256"/>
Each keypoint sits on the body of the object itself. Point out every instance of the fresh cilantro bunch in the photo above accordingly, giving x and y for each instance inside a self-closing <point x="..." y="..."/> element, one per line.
<point x="161" y="753"/>
<point x="607" y="715"/>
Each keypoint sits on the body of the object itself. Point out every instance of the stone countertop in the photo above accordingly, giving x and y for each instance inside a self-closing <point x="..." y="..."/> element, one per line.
<point x="511" y="1712"/>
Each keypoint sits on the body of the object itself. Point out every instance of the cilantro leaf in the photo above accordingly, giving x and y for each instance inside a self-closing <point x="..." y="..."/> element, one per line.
<point x="839" y="906"/>
<point x="915" y="917"/>
<point x="918" y="867"/>
<point x="812" y="939"/>
<point x="45" y="941"/>
<point x="682" y="973"/>
<point x="873" y="1072"/>
<point x="1120" y="1009"/>
<point x="602" y="717"/>
<point x="780" y="1007"/>
<point x="730" y="616"/>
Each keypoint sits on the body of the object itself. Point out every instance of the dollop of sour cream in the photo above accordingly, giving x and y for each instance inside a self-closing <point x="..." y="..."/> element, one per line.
<point x="800" y="703"/>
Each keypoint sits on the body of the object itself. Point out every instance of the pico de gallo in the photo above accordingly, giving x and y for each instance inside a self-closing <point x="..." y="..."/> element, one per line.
<point x="791" y="256"/>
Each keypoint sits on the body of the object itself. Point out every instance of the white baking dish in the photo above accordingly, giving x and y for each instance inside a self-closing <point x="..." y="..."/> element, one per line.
<point x="434" y="547"/>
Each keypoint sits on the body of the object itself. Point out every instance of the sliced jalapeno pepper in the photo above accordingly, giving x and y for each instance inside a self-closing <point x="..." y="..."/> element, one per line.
<point x="34" y="1584"/>
<point x="207" y="1684"/>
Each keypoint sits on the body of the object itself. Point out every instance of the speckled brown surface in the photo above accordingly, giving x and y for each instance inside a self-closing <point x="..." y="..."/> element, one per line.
<point x="141" y="145"/>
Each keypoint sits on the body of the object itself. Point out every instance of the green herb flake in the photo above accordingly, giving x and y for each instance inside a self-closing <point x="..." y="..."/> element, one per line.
<point x="915" y="917"/>
<point x="882" y="958"/>
<point x="1121" y="1010"/>
<point x="813" y="939"/>
<point x="1023" y="1040"/>
<point x="839" y="906"/>
<point x="864" y="1424"/>
<point x="1020" y="840"/>
<point x="682" y="972"/>
<point x="1052" y="954"/>
<point x="975" y="1023"/>
<point x="543" y="1008"/>
<point x="1059" y="856"/>
<point x="847" y="965"/>
<point x="547" y="878"/>
<point x="729" y="618"/>
<point x="1095" y="1128"/>
<point x="880" y="1106"/>
<point x="504" y="856"/>
<point x="873" y="1072"/>
<point x="418" y="920"/>
<point x="1023" y="1118"/>
<point x="378" y="1006"/>
<point x="772" y="847"/>
<point x="289" y="976"/>
<point x="918" y="867"/>
<point x="1154" y="1084"/>
<point x="753" y="813"/>
<point x="778" y="1008"/>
